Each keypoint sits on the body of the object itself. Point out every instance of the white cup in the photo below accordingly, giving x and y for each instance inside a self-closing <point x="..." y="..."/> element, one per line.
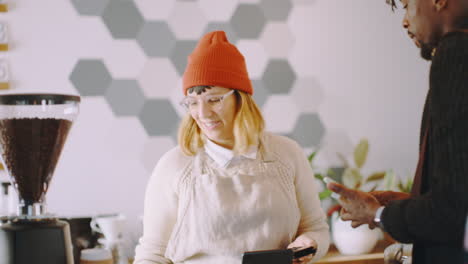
<point x="96" y="256"/>
<point x="111" y="226"/>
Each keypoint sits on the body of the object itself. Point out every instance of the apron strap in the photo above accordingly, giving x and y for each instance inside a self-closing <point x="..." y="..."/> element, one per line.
<point x="198" y="164"/>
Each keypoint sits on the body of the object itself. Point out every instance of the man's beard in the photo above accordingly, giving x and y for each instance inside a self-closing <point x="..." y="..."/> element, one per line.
<point x="426" y="51"/>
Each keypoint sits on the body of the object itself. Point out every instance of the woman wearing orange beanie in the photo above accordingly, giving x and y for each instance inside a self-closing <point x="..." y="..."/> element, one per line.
<point x="229" y="187"/>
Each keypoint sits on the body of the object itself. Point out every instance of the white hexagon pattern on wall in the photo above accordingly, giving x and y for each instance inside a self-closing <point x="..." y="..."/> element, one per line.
<point x="216" y="10"/>
<point x="255" y="57"/>
<point x="249" y="1"/>
<point x="280" y="114"/>
<point x="158" y="78"/>
<point x="277" y="47"/>
<point x="187" y="21"/>
<point x="152" y="12"/>
<point x="124" y="59"/>
<point x="165" y="32"/>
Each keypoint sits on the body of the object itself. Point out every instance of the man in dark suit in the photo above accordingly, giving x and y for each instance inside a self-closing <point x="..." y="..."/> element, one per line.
<point x="433" y="217"/>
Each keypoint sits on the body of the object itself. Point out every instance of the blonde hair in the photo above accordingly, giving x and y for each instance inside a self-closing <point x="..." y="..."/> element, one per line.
<point x="248" y="127"/>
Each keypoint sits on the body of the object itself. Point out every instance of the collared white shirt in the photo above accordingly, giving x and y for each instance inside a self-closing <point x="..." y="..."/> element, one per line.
<point x="223" y="156"/>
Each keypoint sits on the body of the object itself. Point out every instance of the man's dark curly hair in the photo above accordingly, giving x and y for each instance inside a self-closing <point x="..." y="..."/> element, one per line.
<point x="392" y="3"/>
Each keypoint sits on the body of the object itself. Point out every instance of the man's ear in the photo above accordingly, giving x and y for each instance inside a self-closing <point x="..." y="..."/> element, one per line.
<point x="439" y="4"/>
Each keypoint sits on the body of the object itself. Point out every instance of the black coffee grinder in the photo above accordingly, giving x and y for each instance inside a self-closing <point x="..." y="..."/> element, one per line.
<point x="33" y="130"/>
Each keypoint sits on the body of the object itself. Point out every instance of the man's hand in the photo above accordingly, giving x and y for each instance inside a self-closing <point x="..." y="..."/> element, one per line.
<point x="385" y="197"/>
<point x="358" y="207"/>
<point x="303" y="242"/>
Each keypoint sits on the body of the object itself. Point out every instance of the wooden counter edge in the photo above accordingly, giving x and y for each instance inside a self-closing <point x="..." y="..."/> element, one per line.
<point x="353" y="258"/>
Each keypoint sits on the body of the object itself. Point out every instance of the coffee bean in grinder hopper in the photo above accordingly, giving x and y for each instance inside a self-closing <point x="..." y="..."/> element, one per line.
<point x="33" y="131"/>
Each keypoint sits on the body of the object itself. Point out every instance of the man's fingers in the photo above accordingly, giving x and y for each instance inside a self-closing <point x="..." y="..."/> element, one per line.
<point x="355" y="224"/>
<point x="305" y="259"/>
<point x="345" y="216"/>
<point x="385" y="197"/>
<point x="341" y="190"/>
<point x="343" y="211"/>
<point x="335" y="187"/>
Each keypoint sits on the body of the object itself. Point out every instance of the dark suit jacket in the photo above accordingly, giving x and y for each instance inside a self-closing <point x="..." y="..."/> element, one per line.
<point x="434" y="220"/>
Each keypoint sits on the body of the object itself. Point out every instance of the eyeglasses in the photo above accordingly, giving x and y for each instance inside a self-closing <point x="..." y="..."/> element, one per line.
<point x="215" y="102"/>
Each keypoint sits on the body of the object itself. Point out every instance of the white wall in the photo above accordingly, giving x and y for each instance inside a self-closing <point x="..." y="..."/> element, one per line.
<point x="373" y="79"/>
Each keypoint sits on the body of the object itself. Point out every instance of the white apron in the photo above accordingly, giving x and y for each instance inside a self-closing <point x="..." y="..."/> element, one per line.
<point x="241" y="208"/>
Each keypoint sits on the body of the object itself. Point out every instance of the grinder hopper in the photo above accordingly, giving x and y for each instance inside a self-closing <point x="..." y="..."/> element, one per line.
<point x="33" y="130"/>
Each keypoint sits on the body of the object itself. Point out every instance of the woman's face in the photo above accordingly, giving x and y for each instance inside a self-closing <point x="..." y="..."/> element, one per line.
<point x="214" y="110"/>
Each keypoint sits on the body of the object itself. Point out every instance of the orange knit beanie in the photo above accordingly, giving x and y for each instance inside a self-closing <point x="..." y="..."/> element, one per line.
<point x="215" y="61"/>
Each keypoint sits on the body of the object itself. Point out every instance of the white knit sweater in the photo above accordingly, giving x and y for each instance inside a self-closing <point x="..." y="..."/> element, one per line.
<point x="197" y="211"/>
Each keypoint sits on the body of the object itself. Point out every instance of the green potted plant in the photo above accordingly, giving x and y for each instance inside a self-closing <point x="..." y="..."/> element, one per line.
<point x="351" y="175"/>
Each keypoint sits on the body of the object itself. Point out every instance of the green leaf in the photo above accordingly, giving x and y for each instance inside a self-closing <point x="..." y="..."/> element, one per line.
<point x="406" y="186"/>
<point x="319" y="176"/>
<point x="343" y="160"/>
<point x="312" y="156"/>
<point x="401" y="187"/>
<point x="390" y="181"/>
<point x="409" y="185"/>
<point x="325" y="194"/>
<point x="376" y="176"/>
<point x="360" y="152"/>
<point x="352" y="178"/>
